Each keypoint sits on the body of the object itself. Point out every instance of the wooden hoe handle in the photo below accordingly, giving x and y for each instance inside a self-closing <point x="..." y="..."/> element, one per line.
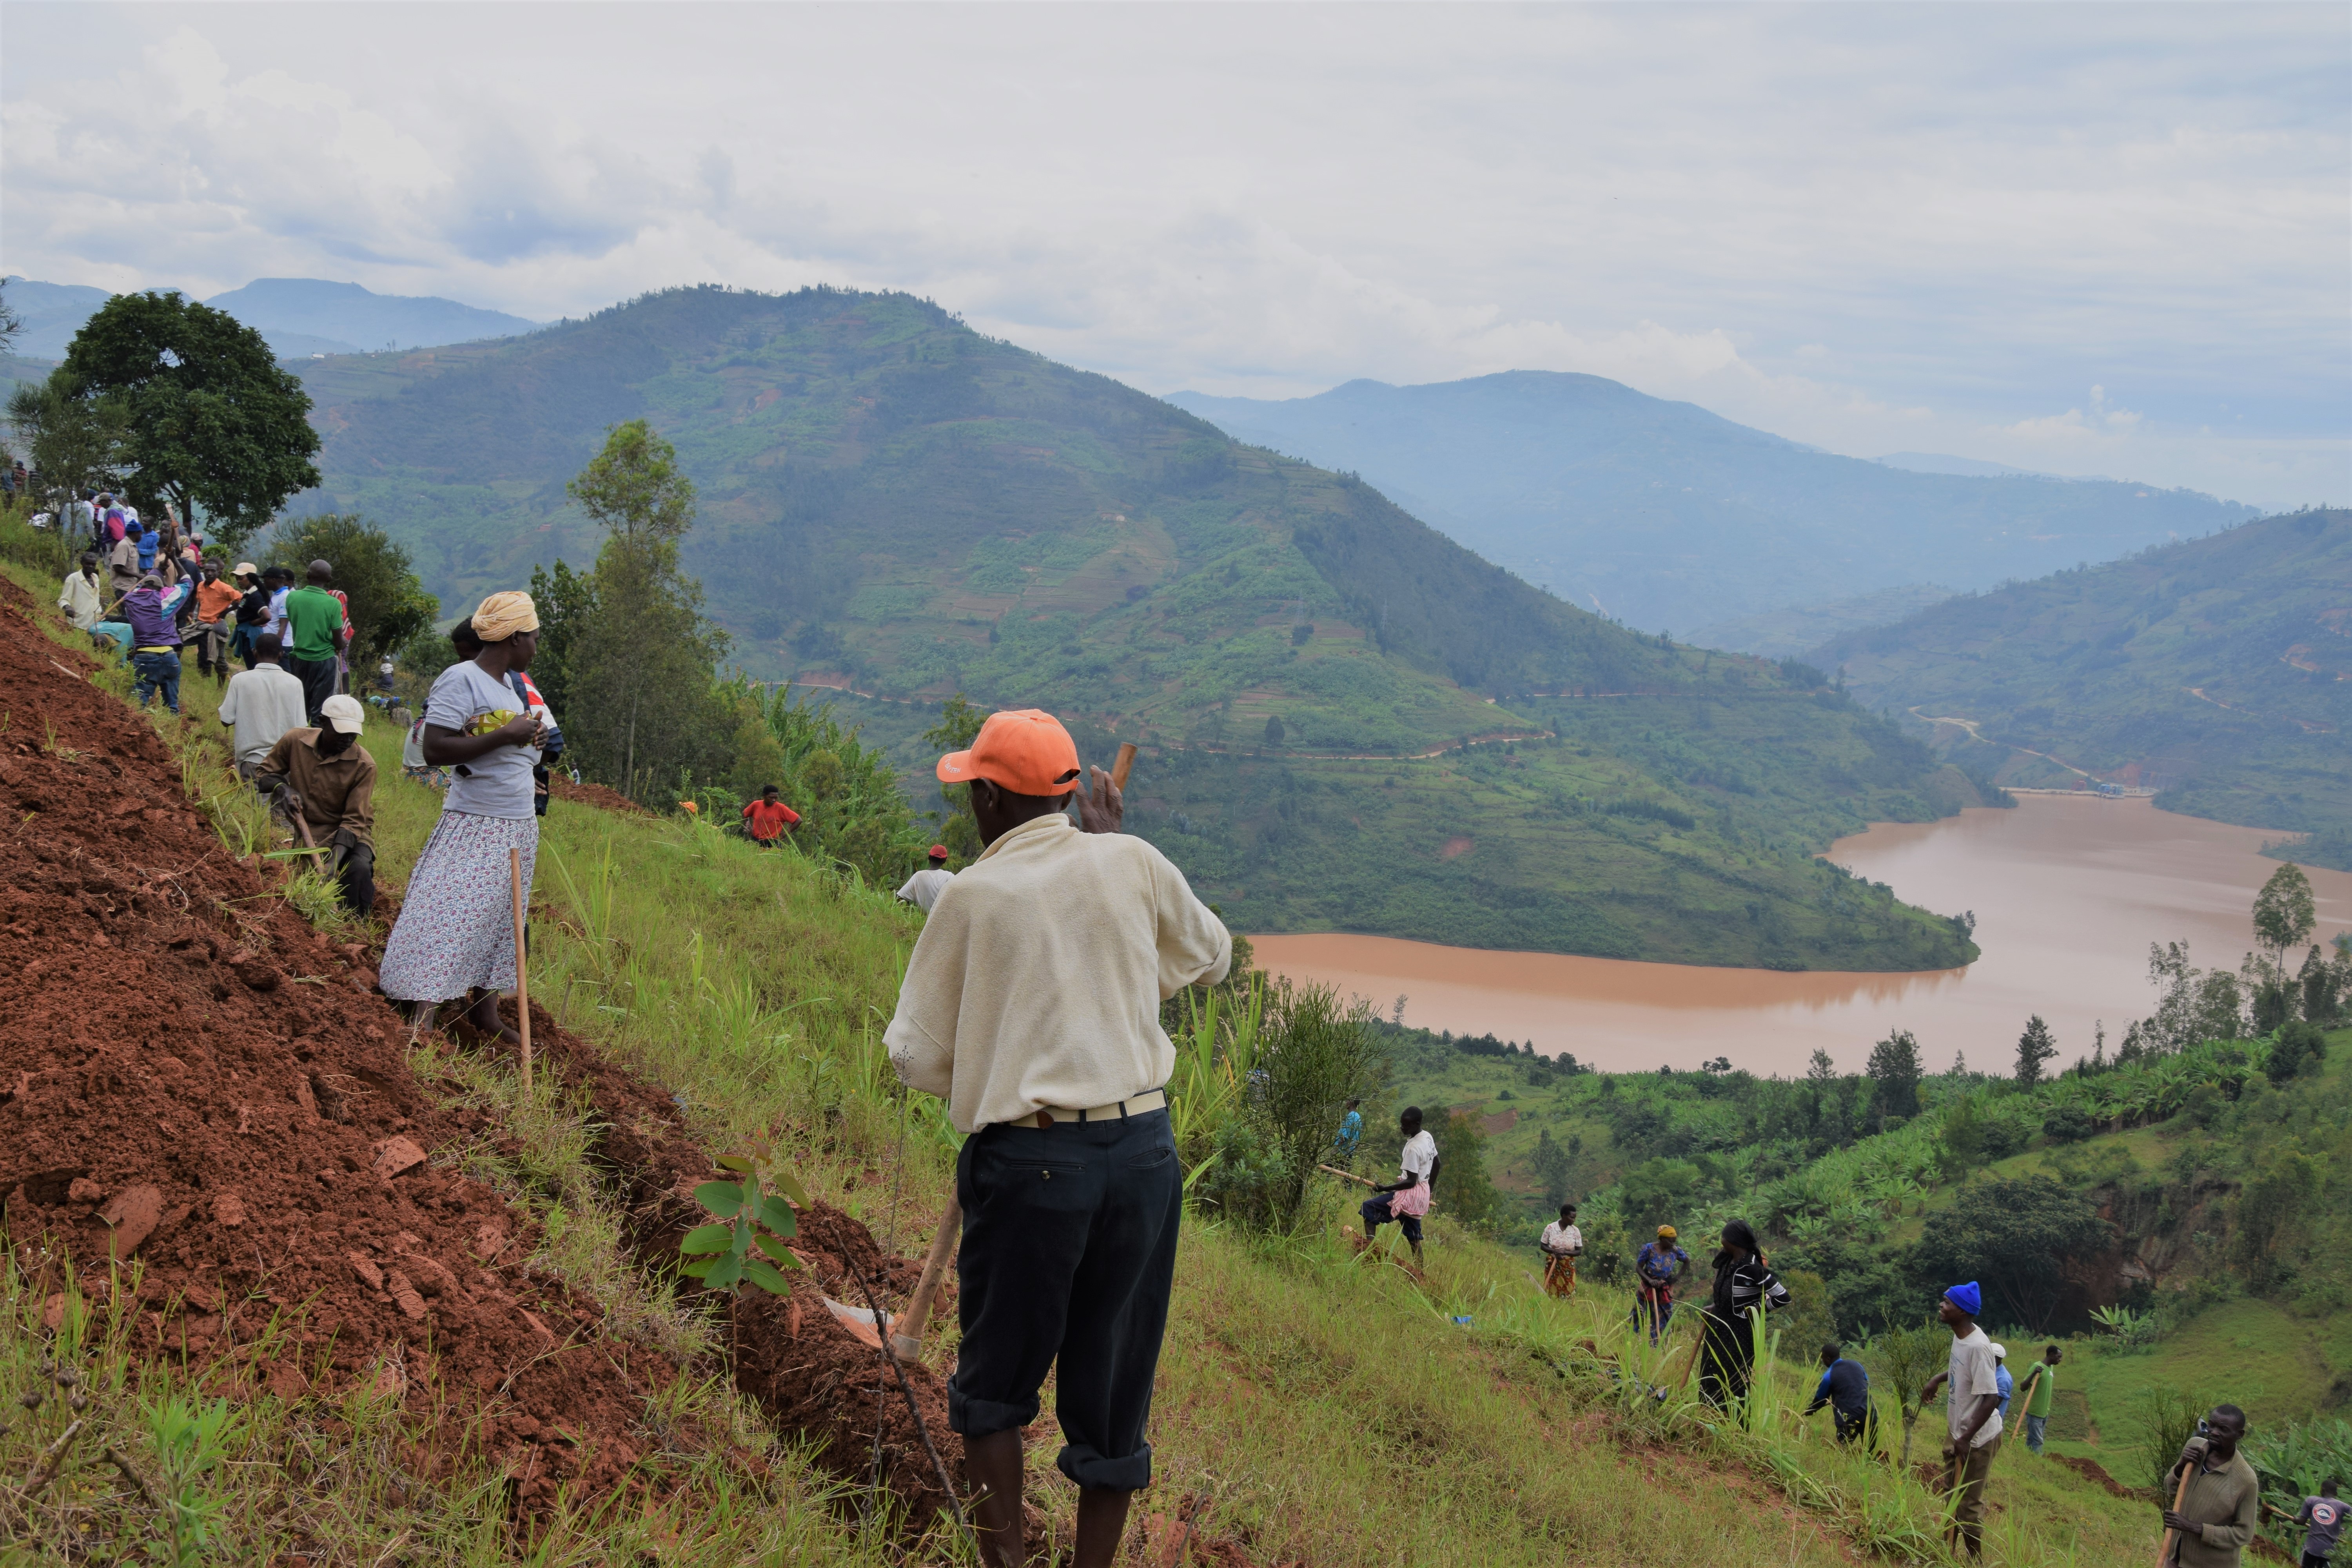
<point x="1118" y="769"/>
<point x="907" y="1338"/>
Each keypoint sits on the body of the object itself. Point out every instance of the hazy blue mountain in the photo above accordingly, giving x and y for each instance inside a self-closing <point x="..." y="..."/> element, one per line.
<point x="1781" y="634"/>
<point x="299" y="316"/>
<point x="302" y="316"/>
<point x="52" y="313"/>
<point x="1969" y="468"/>
<point x="1665" y="516"/>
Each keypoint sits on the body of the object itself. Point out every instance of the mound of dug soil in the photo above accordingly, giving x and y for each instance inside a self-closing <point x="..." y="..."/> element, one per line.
<point x="197" y="1090"/>
<point x="811" y="1374"/>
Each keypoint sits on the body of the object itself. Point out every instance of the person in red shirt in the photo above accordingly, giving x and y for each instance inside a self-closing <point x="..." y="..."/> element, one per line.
<point x="769" y="818"/>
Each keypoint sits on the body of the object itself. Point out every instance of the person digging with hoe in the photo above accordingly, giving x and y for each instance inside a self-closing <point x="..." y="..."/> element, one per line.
<point x="1972" y="1415"/>
<point x="2216" y="1499"/>
<point x="1032" y="1006"/>
<point x="323" y="781"/>
<point x="456" y="933"/>
<point x="1407" y="1198"/>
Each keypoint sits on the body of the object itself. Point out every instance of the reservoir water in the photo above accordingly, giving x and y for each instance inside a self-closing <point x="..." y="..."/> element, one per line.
<point x="2068" y="894"/>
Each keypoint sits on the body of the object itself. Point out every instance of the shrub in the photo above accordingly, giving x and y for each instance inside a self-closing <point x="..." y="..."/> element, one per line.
<point x="2012" y="1236"/>
<point x="1468" y="1191"/>
<point x="2067" y="1122"/>
<point x="2298" y="1045"/>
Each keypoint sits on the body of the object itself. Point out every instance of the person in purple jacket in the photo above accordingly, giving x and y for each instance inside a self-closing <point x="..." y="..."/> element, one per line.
<point x="155" y="639"/>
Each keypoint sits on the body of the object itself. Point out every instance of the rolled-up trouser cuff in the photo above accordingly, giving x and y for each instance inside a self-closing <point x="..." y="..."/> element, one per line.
<point x="1089" y="1469"/>
<point x="970" y="1418"/>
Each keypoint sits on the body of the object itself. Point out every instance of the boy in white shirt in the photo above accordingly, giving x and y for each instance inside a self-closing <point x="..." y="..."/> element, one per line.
<point x="1562" y="1243"/>
<point x="1972" y="1414"/>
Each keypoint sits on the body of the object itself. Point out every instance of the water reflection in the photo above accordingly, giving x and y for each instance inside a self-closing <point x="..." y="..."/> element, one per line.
<point x="2068" y="894"/>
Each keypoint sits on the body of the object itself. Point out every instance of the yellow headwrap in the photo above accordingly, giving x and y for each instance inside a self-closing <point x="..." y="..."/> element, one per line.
<point x="503" y="614"/>
<point x="1665" y="1233"/>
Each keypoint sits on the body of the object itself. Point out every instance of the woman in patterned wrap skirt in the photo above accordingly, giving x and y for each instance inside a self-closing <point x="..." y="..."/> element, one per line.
<point x="455" y="937"/>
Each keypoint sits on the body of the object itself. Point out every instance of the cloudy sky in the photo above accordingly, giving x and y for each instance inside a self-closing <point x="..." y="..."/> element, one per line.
<point x="2108" y="239"/>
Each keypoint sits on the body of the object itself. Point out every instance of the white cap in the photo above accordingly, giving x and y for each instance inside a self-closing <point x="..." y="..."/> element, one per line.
<point x="345" y="713"/>
<point x="2000" y="1352"/>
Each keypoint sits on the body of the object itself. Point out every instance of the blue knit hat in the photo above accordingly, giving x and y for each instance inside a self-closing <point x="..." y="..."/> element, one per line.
<point x="1966" y="1298"/>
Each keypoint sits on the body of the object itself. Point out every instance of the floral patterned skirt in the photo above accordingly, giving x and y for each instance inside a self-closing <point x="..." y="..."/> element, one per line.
<point x="455" y="931"/>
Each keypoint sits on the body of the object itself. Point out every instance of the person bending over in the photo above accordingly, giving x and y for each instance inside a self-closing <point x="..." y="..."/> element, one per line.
<point x="324" y="781"/>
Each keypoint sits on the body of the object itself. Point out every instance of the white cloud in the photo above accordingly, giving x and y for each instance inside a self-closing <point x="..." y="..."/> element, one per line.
<point x="1869" y="227"/>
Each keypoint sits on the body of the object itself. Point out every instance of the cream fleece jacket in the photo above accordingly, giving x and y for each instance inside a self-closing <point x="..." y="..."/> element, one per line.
<point x="1038" y="978"/>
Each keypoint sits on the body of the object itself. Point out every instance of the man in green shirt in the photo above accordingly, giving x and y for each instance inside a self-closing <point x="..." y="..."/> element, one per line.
<point x="2038" y="1395"/>
<point x="314" y="627"/>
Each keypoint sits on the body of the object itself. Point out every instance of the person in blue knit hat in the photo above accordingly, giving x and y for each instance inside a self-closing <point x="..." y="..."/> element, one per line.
<point x="1971" y="1414"/>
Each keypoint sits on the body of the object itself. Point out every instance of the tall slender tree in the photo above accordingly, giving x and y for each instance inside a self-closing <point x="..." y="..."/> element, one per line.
<point x="2034" y="1047"/>
<point x="1895" y="1078"/>
<point x="639" y="672"/>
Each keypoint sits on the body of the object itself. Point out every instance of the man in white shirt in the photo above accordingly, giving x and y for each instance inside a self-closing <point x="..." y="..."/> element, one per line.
<point x="1561" y="1243"/>
<point x="79" y="597"/>
<point x="1407" y="1199"/>
<point x="261" y="704"/>
<point x="1032" y="1006"/>
<point x="1971" y="1414"/>
<point x="922" y="888"/>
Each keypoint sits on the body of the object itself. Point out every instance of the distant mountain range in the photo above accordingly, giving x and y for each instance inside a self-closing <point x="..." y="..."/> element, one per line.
<point x="299" y="316"/>
<point x="1663" y="515"/>
<point x="2217" y="670"/>
<point x="1351" y="721"/>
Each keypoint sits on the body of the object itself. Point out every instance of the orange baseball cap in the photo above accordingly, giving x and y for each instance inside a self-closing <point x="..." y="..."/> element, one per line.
<point x="1025" y="749"/>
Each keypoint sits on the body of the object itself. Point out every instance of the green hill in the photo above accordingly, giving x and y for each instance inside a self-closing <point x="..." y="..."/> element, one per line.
<point x="2217" y="670"/>
<point x="898" y="506"/>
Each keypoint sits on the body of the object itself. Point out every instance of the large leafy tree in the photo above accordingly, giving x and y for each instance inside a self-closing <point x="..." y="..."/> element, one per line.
<point x="388" y="604"/>
<point x="2015" y="1238"/>
<point x="210" y="422"/>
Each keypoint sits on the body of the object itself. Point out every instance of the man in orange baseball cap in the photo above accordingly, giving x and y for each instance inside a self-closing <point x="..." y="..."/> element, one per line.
<point x="1032" y="1006"/>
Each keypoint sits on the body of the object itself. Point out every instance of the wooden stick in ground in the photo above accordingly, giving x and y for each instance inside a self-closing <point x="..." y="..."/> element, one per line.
<point x="523" y="974"/>
<point x="906" y="1339"/>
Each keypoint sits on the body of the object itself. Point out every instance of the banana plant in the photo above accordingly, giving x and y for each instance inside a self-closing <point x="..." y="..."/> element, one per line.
<point x="746" y="1243"/>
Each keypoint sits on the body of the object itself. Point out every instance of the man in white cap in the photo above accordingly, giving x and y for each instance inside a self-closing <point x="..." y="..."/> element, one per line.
<point x="324" y="780"/>
<point x="1032" y="1006"/>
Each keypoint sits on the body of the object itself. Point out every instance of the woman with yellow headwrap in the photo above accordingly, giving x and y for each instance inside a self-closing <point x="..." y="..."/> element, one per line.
<point x="455" y="937"/>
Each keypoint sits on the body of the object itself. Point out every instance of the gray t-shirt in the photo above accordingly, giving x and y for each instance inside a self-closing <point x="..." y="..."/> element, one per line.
<point x="2323" y="1517"/>
<point x="499" y="782"/>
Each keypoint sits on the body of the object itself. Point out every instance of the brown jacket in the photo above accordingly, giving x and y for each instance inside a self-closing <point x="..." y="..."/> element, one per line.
<point x="2228" y="1503"/>
<point x="338" y="793"/>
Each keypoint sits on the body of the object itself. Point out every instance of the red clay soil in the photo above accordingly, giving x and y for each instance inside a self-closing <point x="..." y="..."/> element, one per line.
<point x="809" y="1372"/>
<point x="194" y="1081"/>
<point x="593" y="794"/>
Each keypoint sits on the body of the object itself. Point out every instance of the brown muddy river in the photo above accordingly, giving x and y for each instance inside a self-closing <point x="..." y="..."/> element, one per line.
<point x="2068" y="894"/>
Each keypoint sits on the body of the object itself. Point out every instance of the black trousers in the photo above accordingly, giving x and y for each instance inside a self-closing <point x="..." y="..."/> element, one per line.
<point x="318" y="677"/>
<point x="1727" y="1356"/>
<point x="1069" y="1252"/>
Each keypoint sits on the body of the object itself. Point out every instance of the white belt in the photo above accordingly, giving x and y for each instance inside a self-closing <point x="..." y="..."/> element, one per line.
<point x="1136" y="1105"/>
